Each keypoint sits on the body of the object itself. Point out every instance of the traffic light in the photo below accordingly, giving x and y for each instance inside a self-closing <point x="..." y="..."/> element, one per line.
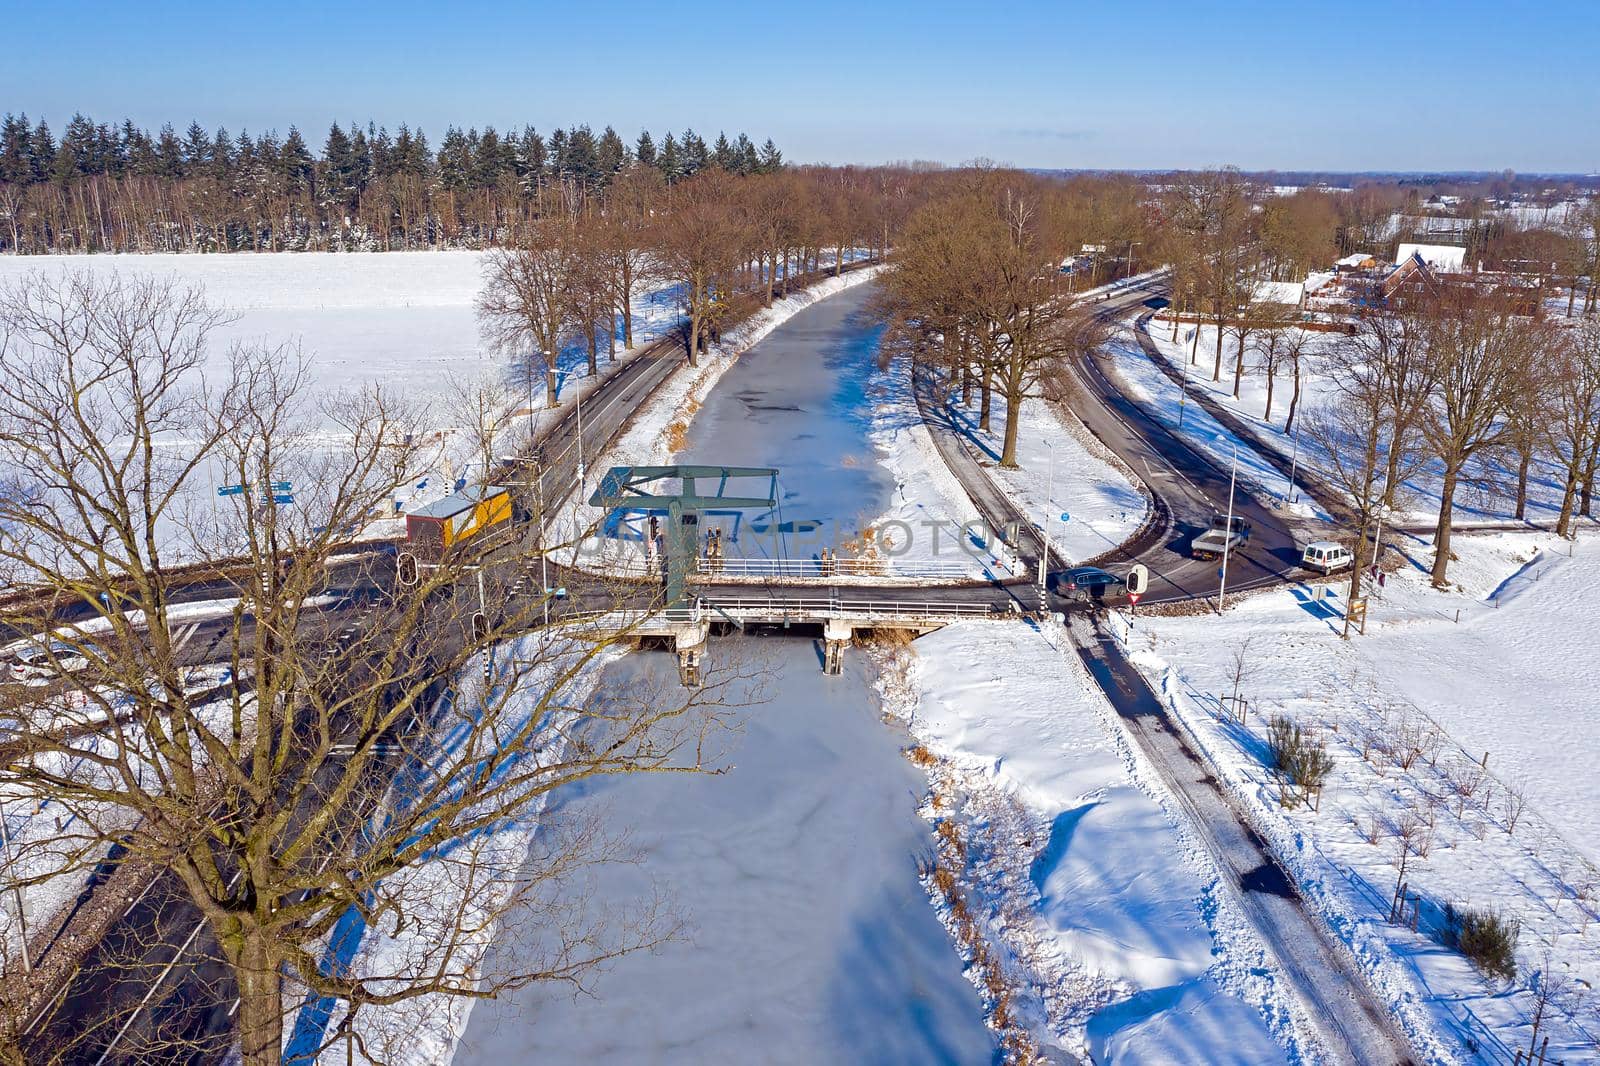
<point x="480" y="627"/>
<point x="1138" y="579"/>
<point x="406" y="568"/>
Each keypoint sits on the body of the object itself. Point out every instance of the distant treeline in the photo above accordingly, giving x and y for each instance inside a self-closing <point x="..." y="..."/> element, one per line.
<point x="120" y="188"/>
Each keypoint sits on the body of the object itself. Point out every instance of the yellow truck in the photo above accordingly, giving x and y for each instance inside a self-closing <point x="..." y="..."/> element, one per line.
<point x="433" y="529"/>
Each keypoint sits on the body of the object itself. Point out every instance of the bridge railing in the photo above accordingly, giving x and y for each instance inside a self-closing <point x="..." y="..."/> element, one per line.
<point x="830" y="568"/>
<point x="637" y="565"/>
<point x="844" y="609"/>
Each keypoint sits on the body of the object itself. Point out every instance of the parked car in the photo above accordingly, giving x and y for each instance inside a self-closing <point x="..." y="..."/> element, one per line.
<point x="1326" y="556"/>
<point x="1087" y="583"/>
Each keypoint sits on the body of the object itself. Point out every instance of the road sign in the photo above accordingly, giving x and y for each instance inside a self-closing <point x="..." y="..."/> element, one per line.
<point x="1133" y="598"/>
<point x="281" y="486"/>
<point x="231" y="490"/>
<point x="1065" y="517"/>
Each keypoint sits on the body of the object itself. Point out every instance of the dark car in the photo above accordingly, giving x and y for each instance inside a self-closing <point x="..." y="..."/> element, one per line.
<point x="1087" y="583"/>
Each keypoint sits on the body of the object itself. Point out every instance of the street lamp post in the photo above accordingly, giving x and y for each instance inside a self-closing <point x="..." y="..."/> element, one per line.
<point x="1044" y="526"/>
<point x="1183" y="394"/>
<point x="1291" y="496"/>
<point x="22" y="916"/>
<point x="1227" y="538"/>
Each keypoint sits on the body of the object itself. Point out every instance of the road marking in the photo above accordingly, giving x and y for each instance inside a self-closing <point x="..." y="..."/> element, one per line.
<point x="184" y="637"/>
<point x="155" y="986"/>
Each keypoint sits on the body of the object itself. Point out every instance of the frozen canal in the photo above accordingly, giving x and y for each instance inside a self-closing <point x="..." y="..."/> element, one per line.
<point x="798" y="402"/>
<point x="809" y="938"/>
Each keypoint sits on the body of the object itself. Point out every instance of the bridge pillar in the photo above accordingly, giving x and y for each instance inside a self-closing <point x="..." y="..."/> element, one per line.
<point x="690" y="641"/>
<point x="835" y="637"/>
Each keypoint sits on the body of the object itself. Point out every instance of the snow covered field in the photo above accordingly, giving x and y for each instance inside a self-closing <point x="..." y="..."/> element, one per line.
<point x="1511" y="685"/>
<point x="1120" y="943"/>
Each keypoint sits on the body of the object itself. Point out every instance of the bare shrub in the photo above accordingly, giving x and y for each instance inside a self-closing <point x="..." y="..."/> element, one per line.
<point x="1513" y="801"/>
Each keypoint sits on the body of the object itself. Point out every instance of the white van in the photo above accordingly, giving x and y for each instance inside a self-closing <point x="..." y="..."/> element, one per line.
<point x="1326" y="556"/>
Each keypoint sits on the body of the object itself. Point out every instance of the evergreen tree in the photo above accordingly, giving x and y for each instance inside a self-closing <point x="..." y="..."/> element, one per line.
<point x="295" y="164"/>
<point x="694" y="154"/>
<point x="196" y="150"/>
<point x="611" y="154"/>
<point x="222" y="157"/>
<point x="383" y="153"/>
<point x="360" y="158"/>
<point x="338" y="168"/>
<point x="247" y="176"/>
<point x="583" y="164"/>
<point x="722" y="153"/>
<point x="645" y="150"/>
<point x="455" y="160"/>
<point x="771" y="160"/>
<point x="41" y="153"/>
<point x="670" y="161"/>
<point x="108" y="158"/>
<point x="169" y="153"/>
<point x="558" y="155"/>
<point x="533" y="161"/>
<point x="141" y="152"/>
<point x="14" y="166"/>
<point x="491" y="159"/>
<point x="75" y="157"/>
<point x="745" y="153"/>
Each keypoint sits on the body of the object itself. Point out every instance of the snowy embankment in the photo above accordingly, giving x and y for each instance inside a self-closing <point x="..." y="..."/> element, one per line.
<point x="657" y="431"/>
<point x="1116" y="941"/>
<point x="1144" y="382"/>
<point x="1491" y="501"/>
<point x="1467" y="744"/>
<point x="1065" y="478"/>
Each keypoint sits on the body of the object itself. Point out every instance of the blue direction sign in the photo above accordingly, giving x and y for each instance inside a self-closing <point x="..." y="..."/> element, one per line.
<point x="281" y="486"/>
<point x="230" y="490"/>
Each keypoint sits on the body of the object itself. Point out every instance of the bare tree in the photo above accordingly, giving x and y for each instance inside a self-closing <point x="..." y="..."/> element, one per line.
<point x="1483" y="350"/>
<point x="630" y="205"/>
<point x="700" y="243"/>
<point x="1276" y="348"/>
<point x="527" y="306"/>
<point x="1572" y="417"/>
<point x="979" y="268"/>
<point x="483" y="408"/>
<point x="340" y="762"/>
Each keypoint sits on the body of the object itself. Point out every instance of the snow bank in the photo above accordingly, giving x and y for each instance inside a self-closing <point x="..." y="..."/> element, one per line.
<point x="1121" y="943"/>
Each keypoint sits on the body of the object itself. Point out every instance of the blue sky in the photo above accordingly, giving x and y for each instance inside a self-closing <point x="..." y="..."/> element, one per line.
<point x="1343" y="85"/>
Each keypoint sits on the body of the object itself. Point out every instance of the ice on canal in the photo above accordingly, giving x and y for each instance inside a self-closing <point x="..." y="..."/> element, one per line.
<point x="809" y="937"/>
<point x="798" y="401"/>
